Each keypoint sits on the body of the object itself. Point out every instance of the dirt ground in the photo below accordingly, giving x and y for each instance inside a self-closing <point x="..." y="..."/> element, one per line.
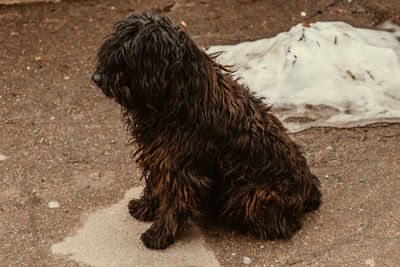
<point x="62" y="140"/>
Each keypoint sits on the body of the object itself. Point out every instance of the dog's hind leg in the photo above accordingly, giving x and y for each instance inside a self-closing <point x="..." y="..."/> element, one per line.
<point x="263" y="212"/>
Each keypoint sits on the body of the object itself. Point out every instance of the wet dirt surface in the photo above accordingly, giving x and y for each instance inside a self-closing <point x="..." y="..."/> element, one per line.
<point x="62" y="141"/>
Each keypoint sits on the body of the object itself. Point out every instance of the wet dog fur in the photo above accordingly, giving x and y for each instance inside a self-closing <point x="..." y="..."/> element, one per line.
<point x="207" y="146"/>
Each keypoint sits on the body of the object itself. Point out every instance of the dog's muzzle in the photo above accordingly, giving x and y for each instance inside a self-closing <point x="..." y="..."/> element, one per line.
<point x="97" y="78"/>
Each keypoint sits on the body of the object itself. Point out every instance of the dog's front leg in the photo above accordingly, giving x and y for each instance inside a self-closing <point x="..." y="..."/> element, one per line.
<point x="145" y="207"/>
<point x="163" y="231"/>
<point x="178" y="200"/>
<point x="141" y="209"/>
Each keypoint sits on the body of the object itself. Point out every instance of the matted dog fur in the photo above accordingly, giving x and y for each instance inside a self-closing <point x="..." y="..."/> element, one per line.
<point x="208" y="147"/>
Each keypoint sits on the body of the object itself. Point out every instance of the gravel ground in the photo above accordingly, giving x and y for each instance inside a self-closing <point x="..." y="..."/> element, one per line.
<point x="62" y="143"/>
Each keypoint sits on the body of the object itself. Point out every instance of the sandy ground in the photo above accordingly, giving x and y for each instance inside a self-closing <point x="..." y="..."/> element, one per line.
<point x="66" y="172"/>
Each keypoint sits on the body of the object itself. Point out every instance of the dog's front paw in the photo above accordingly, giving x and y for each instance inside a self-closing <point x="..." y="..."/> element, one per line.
<point x="156" y="240"/>
<point x="139" y="210"/>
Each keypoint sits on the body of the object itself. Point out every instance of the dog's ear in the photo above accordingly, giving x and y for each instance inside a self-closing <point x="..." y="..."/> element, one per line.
<point x="154" y="56"/>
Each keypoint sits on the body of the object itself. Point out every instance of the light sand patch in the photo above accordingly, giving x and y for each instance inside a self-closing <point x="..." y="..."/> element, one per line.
<point x="111" y="237"/>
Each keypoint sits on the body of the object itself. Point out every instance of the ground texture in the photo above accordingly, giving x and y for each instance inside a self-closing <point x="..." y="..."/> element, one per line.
<point x="62" y="141"/>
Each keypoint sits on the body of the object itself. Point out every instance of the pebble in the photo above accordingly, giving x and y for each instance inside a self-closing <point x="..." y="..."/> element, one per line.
<point x="358" y="10"/>
<point x="370" y="262"/>
<point x="54" y="205"/>
<point x="3" y="157"/>
<point x="318" y="157"/>
<point x="246" y="260"/>
<point x="303" y="14"/>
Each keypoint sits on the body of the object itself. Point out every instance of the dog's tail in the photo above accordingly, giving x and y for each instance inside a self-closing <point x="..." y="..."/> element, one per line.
<point x="314" y="200"/>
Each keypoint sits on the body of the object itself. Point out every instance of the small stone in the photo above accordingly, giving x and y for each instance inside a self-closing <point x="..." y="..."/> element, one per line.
<point x="303" y="14"/>
<point x="52" y="118"/>
<point x="3" y="157"/>
<point x="318" y="157"/>
<point x="246" y="260"/>
<point x="54" y="205"/>
<point x="329" y="148"/>
<point x="370" y="262"/>
<point x="360" y="10"/>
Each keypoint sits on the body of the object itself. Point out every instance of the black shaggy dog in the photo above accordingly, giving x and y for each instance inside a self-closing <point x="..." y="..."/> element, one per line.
<point x="208" y="147"/>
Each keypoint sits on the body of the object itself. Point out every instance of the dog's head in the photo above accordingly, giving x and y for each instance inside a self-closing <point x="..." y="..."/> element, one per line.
<point x="144" y="58"/>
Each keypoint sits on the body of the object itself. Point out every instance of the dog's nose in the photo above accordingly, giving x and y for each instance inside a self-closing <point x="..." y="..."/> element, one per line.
<point x="97" y="78"/>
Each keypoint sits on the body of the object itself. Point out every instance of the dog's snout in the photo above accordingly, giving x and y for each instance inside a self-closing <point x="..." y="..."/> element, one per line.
<point x="97" y="78"/>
